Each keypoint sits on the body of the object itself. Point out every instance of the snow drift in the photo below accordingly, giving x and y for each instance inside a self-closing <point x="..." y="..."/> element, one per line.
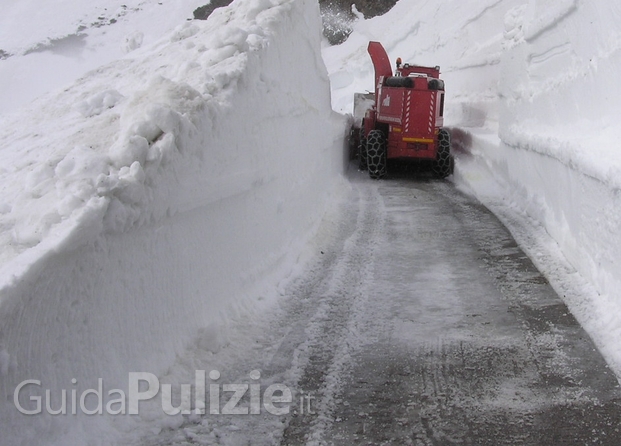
<point x="531" y="90"/>
<point x="144" y="202"/>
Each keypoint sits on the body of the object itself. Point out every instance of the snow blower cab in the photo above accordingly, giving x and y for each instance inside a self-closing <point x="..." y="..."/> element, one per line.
<point x="403" y="118"/>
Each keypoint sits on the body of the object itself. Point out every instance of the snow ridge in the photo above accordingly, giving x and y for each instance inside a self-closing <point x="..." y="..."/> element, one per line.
<point x="131" y="200"/>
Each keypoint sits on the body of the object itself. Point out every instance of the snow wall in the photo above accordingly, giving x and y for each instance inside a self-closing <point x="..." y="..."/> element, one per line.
<point x="175" y="185"/>
<point x="548" y="141"/>
<point x="559" y="128"/>
<point x="555" y="149"/>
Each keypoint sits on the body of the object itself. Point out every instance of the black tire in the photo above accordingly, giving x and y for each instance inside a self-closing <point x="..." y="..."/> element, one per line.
<point x="353" y="142"/>
<point x="376" y="154"/>
<point x="362" y="151"/>
<point x="444" y="163"/>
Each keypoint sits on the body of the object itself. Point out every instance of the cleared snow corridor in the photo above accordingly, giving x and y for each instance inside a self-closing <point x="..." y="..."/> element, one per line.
<point x="184" y="214"/>
<point x="421" y="322"/>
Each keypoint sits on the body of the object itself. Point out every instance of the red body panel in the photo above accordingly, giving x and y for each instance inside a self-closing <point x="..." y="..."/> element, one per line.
<point x="390" y="105"/>
<point x="412" y="117"/>
<point x="408" y="107"/>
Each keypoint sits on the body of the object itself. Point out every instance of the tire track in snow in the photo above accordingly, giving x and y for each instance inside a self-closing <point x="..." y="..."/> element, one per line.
<point x="307" y="342"/>
<point x="481" y="352"/>
<point x="410" y="329"/>
<point x="339" y="326"/>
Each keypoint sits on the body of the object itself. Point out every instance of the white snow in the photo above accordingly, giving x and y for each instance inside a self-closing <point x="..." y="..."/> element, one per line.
<point x="152" y="199"/>
<point x="203" y="156"/>
<point x="53" y="43"/>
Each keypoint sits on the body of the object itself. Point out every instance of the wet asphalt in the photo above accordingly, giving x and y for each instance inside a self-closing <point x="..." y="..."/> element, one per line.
<point x="457" y="339"/>
<point x="419" y="321"/>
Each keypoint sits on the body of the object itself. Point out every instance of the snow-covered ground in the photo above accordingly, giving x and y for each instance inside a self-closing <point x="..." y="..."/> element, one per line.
<point x="45" y="46"/>
<point x="146" y="204"/>
<point x="531" y="97"/>
<point x="203" y="156"/>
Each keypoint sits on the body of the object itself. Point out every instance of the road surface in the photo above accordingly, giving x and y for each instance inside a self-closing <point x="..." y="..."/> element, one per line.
<point x="422" y="323"/>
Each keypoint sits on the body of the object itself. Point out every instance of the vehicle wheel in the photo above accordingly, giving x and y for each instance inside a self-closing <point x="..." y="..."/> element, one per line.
<point x="353" y="142"/>
<point x="443" y="165"/>
<point x="376" y="154"/>
<point x="362" y="151"/>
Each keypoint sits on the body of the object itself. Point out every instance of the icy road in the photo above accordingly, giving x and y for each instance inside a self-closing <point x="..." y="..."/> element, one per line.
<point x="422" y="323"/>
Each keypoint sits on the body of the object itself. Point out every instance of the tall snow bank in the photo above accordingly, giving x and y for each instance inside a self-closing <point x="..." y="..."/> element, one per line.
<point x="556" y="154"/>
<point x="559" y="128"/>
<point x="145" y="201"/>
<point x="553" y="147"/>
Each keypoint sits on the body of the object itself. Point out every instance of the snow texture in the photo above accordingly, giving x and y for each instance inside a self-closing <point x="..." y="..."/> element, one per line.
<point x="45" y="46"/>
<point x="149" y="202"/>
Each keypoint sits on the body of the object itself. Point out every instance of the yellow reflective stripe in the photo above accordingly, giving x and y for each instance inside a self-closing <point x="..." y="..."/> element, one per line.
<point x="422" y="140"/>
